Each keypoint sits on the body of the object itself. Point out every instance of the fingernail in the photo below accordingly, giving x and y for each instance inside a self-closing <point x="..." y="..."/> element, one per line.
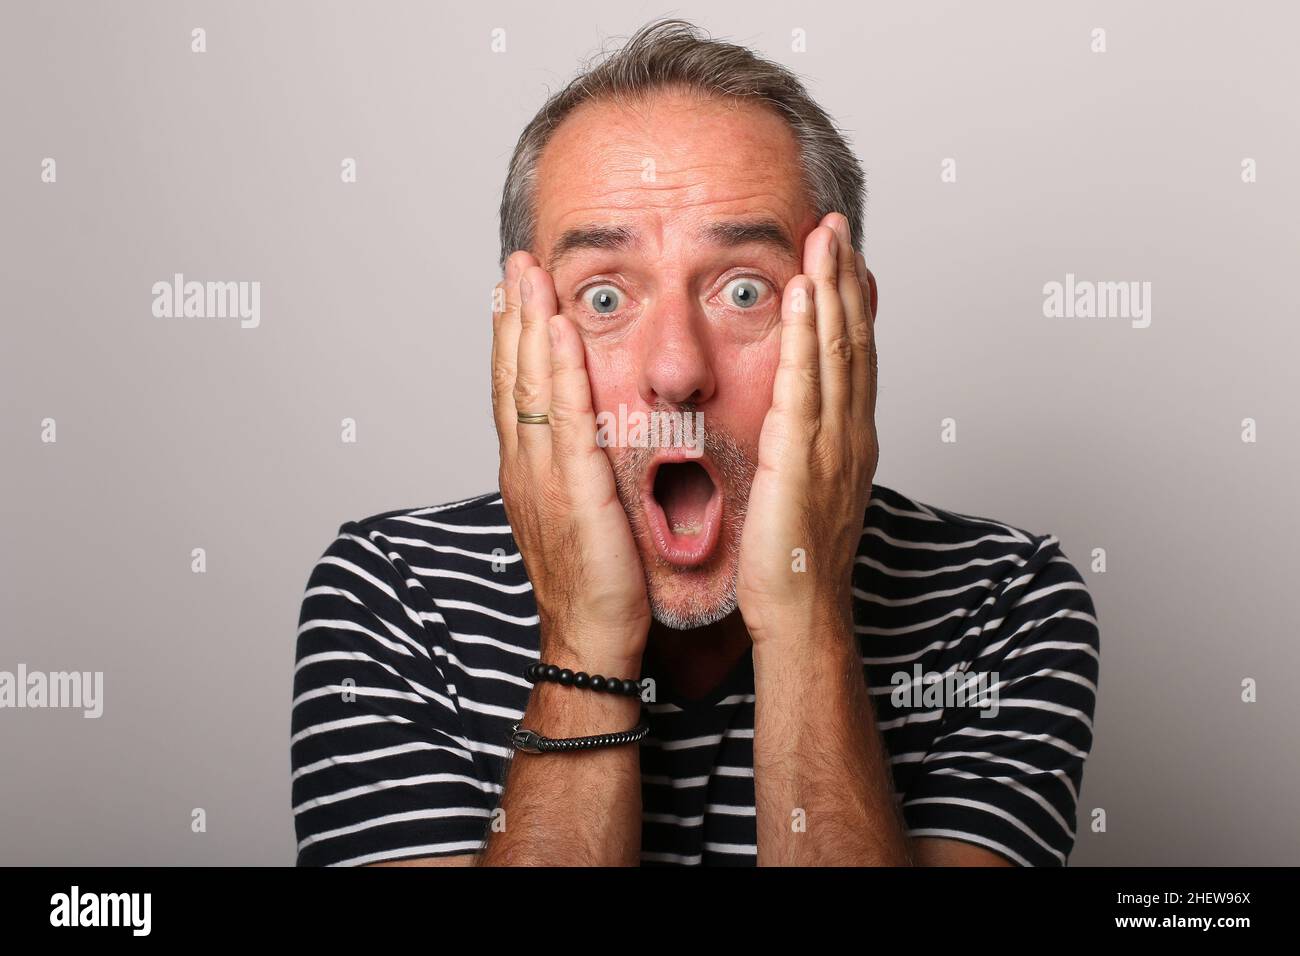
<point x="862" y="265"/>
<point x="843" y="231"/>
<point x="553" y="331"/>
<point x="525" y="289"/>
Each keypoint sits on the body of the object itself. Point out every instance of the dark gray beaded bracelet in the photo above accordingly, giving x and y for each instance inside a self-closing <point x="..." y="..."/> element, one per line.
<point x="539" y="671"/>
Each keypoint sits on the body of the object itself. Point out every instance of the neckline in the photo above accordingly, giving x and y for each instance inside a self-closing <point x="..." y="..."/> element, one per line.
<point x="740" y="676"/>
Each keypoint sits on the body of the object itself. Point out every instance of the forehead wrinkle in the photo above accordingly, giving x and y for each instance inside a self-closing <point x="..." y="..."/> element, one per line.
<point x="758" y="206"/>
<point x="727" y="230"/>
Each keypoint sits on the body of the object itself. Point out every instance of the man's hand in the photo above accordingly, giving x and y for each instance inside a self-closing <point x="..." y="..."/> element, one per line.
<point x="818" y="755"/>
<point x="582" y="808"/>
<point x="558" y="486"/>
<point x="817" y="451"/>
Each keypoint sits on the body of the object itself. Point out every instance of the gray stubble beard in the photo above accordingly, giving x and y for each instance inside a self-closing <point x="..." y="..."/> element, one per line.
<point x="736" y="470"/>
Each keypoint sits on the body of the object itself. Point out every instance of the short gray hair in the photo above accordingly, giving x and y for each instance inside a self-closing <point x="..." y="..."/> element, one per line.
<point x="675" y="54"/>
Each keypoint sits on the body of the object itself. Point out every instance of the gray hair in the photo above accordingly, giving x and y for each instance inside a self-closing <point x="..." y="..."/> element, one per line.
<point x="675" y="54"/>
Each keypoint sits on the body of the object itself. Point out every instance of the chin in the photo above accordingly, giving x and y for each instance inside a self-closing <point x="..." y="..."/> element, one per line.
<point x="685" y="600"/>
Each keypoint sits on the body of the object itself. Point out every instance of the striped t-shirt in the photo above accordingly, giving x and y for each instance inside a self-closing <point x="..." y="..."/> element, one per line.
<point x="417" y="626"/>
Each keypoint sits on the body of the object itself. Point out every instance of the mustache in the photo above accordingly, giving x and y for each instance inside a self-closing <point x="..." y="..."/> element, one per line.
<point x="734" y="462"/>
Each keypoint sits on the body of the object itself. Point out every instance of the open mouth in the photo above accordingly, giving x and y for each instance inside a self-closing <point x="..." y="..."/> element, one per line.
<point x="684" y="507"/>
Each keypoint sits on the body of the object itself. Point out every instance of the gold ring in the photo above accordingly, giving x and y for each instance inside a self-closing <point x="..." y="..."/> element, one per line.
<point x="533" y="418"/>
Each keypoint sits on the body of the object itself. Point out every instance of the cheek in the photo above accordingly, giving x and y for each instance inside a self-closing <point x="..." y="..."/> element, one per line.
<point x="745" y="389"/>
<point x="613" y="379"/>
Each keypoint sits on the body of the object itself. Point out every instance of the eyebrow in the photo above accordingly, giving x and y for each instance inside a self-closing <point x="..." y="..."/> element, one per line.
<point x="766" y="232"/>
<point x="727" y="233"/>
<point x="590" y="237"/>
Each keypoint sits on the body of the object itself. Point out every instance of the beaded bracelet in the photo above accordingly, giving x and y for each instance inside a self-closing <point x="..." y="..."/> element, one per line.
<point x="610" y="685"/>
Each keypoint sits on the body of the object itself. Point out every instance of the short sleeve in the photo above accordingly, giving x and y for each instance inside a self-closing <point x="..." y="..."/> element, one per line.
<point x="381" y="766"/>
<point x="1006" y="775"/>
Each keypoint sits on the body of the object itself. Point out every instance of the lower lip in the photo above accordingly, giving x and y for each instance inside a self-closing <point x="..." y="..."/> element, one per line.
<point x="681" y="550"/>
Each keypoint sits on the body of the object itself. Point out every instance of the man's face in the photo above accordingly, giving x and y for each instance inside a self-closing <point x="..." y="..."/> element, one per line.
<point x="670" y="229"/>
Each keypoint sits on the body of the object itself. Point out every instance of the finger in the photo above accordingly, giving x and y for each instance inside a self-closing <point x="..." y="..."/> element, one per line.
<point x="857" y="318"/>
<point x="865" y="403"/>
<point x="796" y="390"/>
<point x="505" y="349"/>
<point x="532" y="392"/>
<point x="573" y="419"/>
<point x="821" y="265"/>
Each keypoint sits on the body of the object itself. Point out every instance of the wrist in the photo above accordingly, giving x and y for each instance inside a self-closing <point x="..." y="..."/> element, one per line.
<point x="568" y="711"/>
<point x="825" y="657"/>
<point x="556" y="710"/>
<point x="614" y="655"/>
<point x="814" y="622"/>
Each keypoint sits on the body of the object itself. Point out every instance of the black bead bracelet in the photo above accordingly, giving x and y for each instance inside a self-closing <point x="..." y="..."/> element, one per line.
<point x="582" y="680"/>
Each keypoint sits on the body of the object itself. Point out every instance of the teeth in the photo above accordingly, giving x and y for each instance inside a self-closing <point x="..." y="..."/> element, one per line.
<point x="683" y="528"/>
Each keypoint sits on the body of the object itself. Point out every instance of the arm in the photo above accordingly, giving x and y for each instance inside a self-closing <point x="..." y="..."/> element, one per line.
<point x="822" y="784"/>
<point x="581" y="808"/>
<point x="823" y="788"/>
<point x="817" y="750"/>
<point x="573" y="809"/>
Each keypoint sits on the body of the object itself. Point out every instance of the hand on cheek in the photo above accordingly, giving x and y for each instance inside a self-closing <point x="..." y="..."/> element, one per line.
<point x="558" y="486"/>
<point x="817" y="449"/>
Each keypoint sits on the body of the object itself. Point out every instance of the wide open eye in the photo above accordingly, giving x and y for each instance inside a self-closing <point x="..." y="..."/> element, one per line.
<point x="602" y="299"/>
<point x="744" y="292"/>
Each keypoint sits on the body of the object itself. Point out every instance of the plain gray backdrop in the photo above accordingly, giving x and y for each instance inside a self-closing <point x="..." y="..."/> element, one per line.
<point x="177" y="434"/>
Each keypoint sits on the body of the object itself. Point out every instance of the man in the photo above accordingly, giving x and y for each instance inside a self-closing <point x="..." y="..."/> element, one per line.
<point x="800" y="644"/>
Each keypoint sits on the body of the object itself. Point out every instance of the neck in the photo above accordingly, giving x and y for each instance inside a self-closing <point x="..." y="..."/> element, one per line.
<point x="693" y="663"/>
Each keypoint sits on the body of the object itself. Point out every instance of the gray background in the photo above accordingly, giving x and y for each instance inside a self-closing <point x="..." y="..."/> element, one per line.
<point x="176" y="434"/>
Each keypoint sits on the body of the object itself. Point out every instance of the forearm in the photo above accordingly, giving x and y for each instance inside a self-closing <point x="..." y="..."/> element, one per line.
<point x="823" y="788"/>
<point x="572" y="809"/>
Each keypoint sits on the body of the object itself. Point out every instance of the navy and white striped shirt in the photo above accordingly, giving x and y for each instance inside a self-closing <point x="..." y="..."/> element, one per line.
<point x="417" y="625"/>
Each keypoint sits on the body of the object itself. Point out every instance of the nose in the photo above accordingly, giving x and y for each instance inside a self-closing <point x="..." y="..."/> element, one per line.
<point x="676" y="364"/>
